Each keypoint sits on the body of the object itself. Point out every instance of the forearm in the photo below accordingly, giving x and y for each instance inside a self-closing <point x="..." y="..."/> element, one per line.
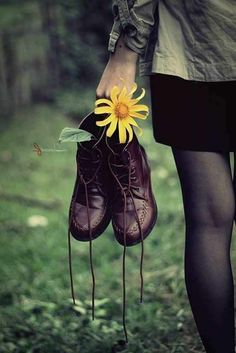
<point x="123" y="52"/>
<point x="122" y="63"/>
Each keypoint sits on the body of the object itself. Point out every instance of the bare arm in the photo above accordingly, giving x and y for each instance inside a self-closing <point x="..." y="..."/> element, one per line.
<point x="133" y="21"/>
<point x="122" y="63"/>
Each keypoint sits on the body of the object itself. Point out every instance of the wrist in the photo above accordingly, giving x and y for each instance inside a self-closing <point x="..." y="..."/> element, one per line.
<point x="123" y="52"/>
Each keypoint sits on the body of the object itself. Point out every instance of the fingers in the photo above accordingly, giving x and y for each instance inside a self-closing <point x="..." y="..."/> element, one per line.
<point x="108" y="85"/>
<point x="101" y="93"/>
<point x="111" y="77"/>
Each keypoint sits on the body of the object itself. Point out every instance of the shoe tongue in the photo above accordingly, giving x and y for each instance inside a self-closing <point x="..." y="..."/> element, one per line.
<point x="89" y="124"/>
<point x="89" y="148"/>
<point x="118" y="147"/>
<point x="87" y="145"/>
<point x="114" y="143"/>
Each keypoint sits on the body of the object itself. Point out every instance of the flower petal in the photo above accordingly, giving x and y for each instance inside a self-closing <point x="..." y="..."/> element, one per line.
<point x="122" y="132"/>
<point x="138" y="115"/>
<point x="104" y="100"/>
<point x="114" y="92"/>
<point x="105" y="121"/>
<point x="112" y="127"/>
<point x="139" y="108"/>
<point x="129" y="129"/>
<point x="131" y="121"/>
<point x="122" y="94"/>
<point x="133" y="89"/>
<point x="103" y="110"/>
<point x="135" y="100"/>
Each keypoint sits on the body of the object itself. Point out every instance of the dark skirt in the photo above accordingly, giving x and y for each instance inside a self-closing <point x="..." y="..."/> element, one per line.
<point x="193" y="115"/>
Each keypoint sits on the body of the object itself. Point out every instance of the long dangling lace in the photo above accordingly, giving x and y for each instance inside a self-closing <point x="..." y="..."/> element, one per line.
<point x="90" y="236"/>
<point x="90" y="248"/>
<point x="69" y="243"/>
<point x="124" y="250"/>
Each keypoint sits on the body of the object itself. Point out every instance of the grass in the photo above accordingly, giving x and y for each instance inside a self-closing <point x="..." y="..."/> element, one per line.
<point x="37" y="314"/>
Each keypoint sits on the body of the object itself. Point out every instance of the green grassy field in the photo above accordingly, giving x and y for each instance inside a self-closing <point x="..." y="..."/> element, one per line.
<point x="37" y="314"/>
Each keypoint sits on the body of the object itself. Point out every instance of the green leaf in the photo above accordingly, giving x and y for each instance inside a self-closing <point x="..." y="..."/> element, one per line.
<point x="69" y="134"/>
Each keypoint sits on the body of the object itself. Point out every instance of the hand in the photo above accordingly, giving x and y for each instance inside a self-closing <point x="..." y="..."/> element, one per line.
<point x="122" y="63"/>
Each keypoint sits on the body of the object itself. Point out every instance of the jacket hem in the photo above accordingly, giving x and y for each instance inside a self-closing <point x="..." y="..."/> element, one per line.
<point x="192" y="71"/>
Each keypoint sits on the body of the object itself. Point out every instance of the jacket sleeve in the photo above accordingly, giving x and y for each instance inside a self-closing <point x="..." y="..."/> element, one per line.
<point x="135" y="19"/>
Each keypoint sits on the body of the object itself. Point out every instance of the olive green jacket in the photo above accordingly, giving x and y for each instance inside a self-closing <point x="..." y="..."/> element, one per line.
<point x="192" y="39"/>
<point x="136" y="19"/>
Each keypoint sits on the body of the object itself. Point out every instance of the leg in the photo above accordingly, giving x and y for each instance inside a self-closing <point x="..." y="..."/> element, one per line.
<point x="209" y="206"/>
<point x="234" y="183"/>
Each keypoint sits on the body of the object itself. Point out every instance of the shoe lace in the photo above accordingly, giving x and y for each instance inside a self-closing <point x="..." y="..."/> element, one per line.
<point x="127" y="177"/>
<point x="88" y="169"/>
<point x="124" y="181"/>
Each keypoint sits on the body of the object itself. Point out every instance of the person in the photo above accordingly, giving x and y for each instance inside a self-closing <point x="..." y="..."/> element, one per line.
<point x="188" y="50"/>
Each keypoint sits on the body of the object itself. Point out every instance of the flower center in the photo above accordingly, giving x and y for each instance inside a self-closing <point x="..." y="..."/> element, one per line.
<point x="121" y="110"/>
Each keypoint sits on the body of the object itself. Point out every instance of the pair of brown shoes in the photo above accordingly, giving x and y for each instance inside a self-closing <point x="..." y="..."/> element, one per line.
<point x="113" y="183"/>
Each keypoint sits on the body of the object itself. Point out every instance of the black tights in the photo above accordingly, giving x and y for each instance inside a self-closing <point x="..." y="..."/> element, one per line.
<point x="209" y="207"/>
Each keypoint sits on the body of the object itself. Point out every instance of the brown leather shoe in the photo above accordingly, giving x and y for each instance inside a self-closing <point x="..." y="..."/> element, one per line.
<point x="133" y="206"/>
<point x="89" y="213"/>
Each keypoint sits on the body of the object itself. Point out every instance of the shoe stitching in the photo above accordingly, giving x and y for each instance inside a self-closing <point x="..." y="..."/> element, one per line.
<point x="77" y="225"/>
<point x="143" y="213"/>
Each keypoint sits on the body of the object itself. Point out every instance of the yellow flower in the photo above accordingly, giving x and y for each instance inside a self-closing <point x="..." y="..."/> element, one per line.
<point x="122" y="110"/>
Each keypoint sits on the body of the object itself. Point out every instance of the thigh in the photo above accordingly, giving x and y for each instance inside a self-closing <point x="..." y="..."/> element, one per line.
<point x="207" y="186"/>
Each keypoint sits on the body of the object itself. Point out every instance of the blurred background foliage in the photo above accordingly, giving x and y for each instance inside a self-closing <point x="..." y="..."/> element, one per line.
<point x="50" y="50"/>
<point x="52" y="54"/>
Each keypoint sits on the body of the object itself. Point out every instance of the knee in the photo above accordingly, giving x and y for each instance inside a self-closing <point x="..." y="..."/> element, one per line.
<point x="210" y="214"/>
